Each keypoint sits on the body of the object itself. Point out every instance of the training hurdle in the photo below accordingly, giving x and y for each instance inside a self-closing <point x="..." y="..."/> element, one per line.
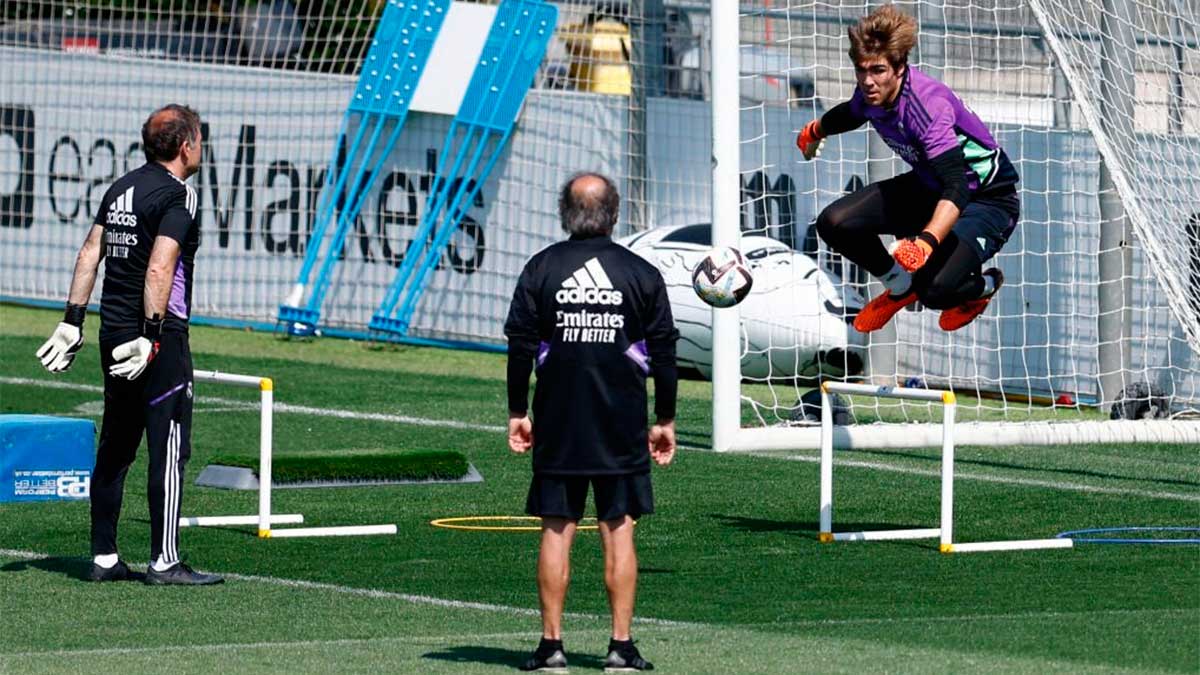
<point x="945" y="532"/>
<point x="265" y="519"/>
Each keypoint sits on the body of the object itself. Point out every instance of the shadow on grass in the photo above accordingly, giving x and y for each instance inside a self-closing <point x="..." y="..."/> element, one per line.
<point x="245" y="530"/>
<point x="809" y="529"/>
<point x="72" y="568"/>
<point x="1081" y="473"/>
<point x="694" y="439"/>
<point x="506" y="657"/>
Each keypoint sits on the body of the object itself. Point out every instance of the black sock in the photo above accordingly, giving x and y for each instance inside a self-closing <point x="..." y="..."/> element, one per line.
<point x="548" y="645"/>
<point x="618" y="645"/>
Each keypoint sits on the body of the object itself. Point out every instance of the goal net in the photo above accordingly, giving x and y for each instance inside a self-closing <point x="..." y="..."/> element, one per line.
<point x="272" y="80"/>
<point x="1097" y="102"/>
<point x="1100" y="275"/>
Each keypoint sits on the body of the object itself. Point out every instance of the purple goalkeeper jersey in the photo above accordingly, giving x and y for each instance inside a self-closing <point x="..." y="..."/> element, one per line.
<point x="928" y="119"/>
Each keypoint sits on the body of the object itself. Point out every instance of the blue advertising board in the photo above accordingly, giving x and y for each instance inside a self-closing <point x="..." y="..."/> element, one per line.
<point x="44" y="458"/>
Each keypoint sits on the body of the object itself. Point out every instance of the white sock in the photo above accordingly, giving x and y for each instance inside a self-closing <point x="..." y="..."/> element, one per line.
<point x="898" y="280"/>
<point x="106" y="561"/>
<point x="989" y="285"/>
<point x="160" y="566"/>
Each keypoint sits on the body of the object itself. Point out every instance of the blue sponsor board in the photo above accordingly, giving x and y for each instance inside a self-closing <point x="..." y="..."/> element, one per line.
<point x="45" y="458"/>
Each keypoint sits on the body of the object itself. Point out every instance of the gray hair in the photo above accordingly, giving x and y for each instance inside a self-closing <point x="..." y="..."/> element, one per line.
<point x="589" y="212"/>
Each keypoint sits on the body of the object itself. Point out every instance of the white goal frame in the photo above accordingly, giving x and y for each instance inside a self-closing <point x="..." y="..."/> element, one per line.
<point x="728" y="434"/>
<point x="264" y="519"/>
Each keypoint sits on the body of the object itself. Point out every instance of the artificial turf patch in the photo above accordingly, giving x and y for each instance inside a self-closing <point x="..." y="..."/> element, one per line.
<point x="357" y="465"/>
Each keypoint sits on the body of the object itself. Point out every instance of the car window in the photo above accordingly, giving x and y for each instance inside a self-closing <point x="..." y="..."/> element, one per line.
<point x="691" y="234"/>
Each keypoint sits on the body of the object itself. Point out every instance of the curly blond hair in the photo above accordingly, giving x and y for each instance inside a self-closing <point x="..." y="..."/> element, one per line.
<point x="886" y="32"/>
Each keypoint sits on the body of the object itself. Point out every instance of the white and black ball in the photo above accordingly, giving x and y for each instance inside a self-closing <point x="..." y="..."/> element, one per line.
<point x="722" y="278"/>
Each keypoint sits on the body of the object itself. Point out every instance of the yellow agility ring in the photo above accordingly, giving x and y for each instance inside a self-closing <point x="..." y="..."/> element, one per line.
<point x="467" y="523"/>
<point x="464" y="523"/>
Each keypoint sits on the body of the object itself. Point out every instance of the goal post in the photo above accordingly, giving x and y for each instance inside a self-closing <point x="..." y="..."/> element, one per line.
<point x="1098" y="105"/>
<point x="726" y="218"/>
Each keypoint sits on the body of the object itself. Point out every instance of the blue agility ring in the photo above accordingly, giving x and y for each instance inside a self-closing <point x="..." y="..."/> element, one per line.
<point x="1082" y="536"/>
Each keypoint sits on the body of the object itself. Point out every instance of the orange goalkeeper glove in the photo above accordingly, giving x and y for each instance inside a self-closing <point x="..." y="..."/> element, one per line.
<point x="914" y="253"/>
<point x="810" y="139"/>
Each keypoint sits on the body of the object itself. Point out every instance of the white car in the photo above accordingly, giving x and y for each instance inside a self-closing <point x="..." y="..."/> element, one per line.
<point x="796" y="322"/>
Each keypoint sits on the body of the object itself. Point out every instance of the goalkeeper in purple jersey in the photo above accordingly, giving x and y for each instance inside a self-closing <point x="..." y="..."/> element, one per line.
<point x="951" y="214"/>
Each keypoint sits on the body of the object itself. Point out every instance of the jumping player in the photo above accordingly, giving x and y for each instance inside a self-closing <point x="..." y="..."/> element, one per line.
<point x="953" y="212"/>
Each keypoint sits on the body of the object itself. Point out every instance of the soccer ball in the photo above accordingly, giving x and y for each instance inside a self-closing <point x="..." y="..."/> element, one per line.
<point x="722" y="277"/>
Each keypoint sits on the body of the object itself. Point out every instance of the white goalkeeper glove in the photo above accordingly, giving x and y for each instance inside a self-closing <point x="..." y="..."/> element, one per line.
<point x="134" y="356"/>
<point x="59" y="351"/>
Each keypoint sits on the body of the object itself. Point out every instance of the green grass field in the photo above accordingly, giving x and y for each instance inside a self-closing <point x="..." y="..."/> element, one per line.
<point x="732" y="577"/>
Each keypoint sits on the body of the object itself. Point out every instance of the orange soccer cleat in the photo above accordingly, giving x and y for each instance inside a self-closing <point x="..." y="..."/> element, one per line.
<point x="881" y="310"/>
<point x="957" y="317"/>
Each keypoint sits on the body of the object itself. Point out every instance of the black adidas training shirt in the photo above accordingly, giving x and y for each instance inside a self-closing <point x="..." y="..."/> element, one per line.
<point x="594" y="319"/>
<point x="141" y="205"/>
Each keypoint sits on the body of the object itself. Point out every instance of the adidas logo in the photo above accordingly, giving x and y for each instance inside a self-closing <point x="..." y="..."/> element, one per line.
<point x="120" y="212"/>
<point x="589" y="285"/>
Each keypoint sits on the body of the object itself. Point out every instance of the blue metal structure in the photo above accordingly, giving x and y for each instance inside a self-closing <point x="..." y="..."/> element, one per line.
<point x="476" y="140"/>
<point x="393" y="67"/>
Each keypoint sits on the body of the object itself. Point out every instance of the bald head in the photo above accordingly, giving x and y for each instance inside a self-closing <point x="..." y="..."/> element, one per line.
<point x="167" y="129"/>
<point x="589" y="205"/>
<point x="589" y="190"/>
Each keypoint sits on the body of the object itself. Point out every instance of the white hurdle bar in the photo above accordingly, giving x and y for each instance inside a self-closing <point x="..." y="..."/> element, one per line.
<point x="213" y="521"/>
<point x="944" y="533"/>
<point x="339" y="531"/>
<point x="265" y="519"/>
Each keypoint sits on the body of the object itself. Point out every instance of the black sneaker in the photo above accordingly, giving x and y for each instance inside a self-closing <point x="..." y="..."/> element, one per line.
<point x="623" y="657"/>
<point x="997" y="279"/>
<point x="118" y="572"/>
<point x="548" y="658"/>
<point x="180" y="575"/>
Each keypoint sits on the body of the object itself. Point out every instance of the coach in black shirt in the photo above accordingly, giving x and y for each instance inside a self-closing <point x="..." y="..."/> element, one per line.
<point x="147" y="234"/>
<point x="592" y="318"/>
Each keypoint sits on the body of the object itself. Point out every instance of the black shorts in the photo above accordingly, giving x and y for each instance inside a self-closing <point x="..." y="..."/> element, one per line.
<point x="902" y="206"/>
<point x="985" y="223"/>
<point x="565" y="496"/>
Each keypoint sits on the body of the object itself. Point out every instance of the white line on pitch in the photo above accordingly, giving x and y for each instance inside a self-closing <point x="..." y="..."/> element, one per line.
<point x="293" y="644"/>
<point x="1028" y="482"/>
<point x="96" y="408"/>
<point x="1015" y="616"/>
<point x="437" y="602"/>
<point x="662" y="623"/>
<point x="388" y="595"/>
<point x="281" y="407"/>
<point x="420" y="421"/>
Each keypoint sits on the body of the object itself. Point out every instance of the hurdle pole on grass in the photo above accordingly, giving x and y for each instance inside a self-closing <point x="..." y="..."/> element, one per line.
<point x="945" y="532"/>
<point x="946" y="398"/>
<point x="949" y="406"/>
<point x="265" y="519"/>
